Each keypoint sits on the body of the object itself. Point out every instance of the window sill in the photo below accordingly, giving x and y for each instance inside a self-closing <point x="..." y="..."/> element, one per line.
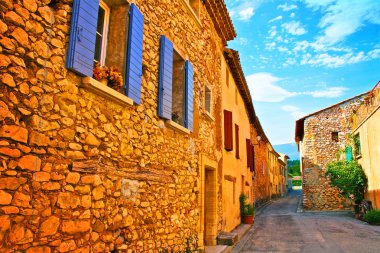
<point x="177" y="127"/>
<point x="105" y="91"/>
<point x="208" y="115"/>
<point x="189" y="9"/>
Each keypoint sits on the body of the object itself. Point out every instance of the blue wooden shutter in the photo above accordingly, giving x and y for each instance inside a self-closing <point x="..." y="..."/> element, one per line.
<point x="189" y="94"/>
<point x="81" y="51"/>
<point x="165" y="82"/>
<point x="134" y="54"/>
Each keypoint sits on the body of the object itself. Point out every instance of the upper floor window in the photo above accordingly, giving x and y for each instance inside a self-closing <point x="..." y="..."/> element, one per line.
<point x="208" y="99"/>
<point x="101" y="33"/>
<point x="175" y="91"/>
<point x="227" y="77"/>
<point x="96" y="36"/>
<point x="178" y="92"/>
<point x="335" y="136"/>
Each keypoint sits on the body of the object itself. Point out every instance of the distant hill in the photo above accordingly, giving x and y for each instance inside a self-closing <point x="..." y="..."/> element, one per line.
<point x="290" y="149"/>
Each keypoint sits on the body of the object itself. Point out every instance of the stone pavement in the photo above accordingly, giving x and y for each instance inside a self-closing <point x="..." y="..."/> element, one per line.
<point x="279" y="228"/>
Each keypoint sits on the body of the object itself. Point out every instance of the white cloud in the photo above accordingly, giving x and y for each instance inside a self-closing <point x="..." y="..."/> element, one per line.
<point x="292" y="15"/>
<point x="294" y="111"/>
<point x="328" y="92"/>
<point x="275" y="19"/>
<point x="264" y="89"/>
<point x="246" y="14"/>
<point x="286" y="7"/>
<point x="241" y="41"/>
<point x="335" y="61"/>
<point x="343" y="18"/>
<point x="272" y="31"/>
<point x="270" y="46"/>
<point x="294" y="28"/>
<point x="243" y="10"/>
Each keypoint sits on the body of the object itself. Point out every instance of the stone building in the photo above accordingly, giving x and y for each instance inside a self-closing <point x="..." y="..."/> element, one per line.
<point x="237" y="156"/>
<point x="84" y="168"/>
<point x="366" y="130"/>
<point x="284" y="161"/>
<point x="261" y="144"/>
<point x="319" y="137"/>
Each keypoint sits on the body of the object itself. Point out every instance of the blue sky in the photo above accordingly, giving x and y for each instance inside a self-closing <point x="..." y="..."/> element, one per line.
<point x="303" y="55"/>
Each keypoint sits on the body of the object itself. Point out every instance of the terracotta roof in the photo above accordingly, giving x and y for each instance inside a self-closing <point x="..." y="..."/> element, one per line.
<point x="233" y="61"/>
<point x="221" y="19"/>
<point x="300" y="122"/>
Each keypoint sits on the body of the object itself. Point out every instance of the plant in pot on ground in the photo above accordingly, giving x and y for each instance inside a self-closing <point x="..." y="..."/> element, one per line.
<point x="247" y="211"/>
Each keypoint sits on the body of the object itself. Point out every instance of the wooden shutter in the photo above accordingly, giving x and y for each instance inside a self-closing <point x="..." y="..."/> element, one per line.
<point x="253" y="158"/>
<point x="134" y="54"/>
<point x="81" y="51"/>
<point x="189" y="93"/>
<point x="249" y="152"/>
<point x="165" y="82"/>
<point x="228" y="141"/>
<point x="237" y="155"/>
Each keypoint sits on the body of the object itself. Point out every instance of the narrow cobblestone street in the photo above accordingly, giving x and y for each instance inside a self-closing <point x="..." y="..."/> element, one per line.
<point x="279" y="228"/>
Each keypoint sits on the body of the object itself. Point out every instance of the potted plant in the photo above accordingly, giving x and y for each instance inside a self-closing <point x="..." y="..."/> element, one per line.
<point x="247" y="211"/>
<point x="109" y="76"/>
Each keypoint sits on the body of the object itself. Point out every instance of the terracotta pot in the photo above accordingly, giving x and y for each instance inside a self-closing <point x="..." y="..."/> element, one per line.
<point x="104" y="81"/>
<point x="247" y="219"/>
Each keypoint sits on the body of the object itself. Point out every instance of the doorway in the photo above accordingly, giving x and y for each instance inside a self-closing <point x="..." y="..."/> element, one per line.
<point x="210" y="207"/>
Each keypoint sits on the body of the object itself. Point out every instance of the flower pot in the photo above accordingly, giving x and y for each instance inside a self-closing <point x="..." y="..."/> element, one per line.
<point x="104" y="81"/>
<point x="247" y="219"/>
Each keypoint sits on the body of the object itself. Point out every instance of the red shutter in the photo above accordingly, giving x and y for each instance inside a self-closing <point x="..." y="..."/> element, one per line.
<point x="252" y="158"/>
<point x="249" y="152"/>
<point x="228" y="141"/>
<point x="237" y="155"/>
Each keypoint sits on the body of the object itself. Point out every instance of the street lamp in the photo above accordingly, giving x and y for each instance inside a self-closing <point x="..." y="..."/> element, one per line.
<point x="258" y="140"/>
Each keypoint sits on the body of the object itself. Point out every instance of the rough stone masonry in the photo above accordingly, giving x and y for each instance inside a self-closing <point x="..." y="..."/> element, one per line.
<point x="80" y="172"/>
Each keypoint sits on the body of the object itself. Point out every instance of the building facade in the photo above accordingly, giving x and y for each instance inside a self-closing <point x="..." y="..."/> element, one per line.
<point x="237" y="156"/>
<point x="86" y="168"/>
<point x="366" y="130"/>
<point x="319" y="137"/>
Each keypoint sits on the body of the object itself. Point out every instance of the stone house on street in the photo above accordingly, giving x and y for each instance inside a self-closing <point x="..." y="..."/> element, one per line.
<point x="319" y="137"/>
<point x="87" y="167"/>
<point x="366" y="131"/>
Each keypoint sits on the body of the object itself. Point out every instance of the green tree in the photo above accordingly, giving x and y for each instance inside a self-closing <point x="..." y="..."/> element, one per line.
<point x="349" y="177"/>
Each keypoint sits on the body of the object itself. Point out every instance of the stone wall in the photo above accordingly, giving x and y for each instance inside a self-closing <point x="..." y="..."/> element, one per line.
<point x="81" y="173"/>
<point x="261" y="175"/>
<point x="318" y="149"/>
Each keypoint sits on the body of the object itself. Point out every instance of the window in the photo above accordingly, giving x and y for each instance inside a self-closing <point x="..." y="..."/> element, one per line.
<point x="178" y="92"/>
<point x="175" y="91"/>
<point x="228" y="139"/>
<point x="208" y="99"/>
<point x="101" y="33"/>
<point x="357" y="146"/>
<point x="96" y="36"/>
<point x="334" y="136"/>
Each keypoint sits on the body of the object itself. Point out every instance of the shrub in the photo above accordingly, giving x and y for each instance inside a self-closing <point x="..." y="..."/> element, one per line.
<point x="245" y="209"/>
<point x="372" y="217"/>
<point x="296" y="182"/>
<point x="349" y="177"/>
